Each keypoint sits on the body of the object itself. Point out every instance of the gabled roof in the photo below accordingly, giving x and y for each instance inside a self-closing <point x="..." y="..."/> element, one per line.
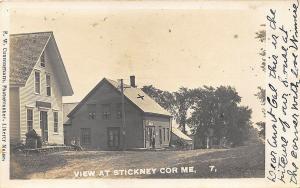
<point x="145" y="104"/>
<point x="25" y="51"/>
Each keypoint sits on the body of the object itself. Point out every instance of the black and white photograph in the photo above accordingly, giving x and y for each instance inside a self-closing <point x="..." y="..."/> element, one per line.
<point x="129" y="90"/>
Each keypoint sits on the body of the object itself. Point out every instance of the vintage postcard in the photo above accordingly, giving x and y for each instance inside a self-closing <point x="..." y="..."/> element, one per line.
<point x="149" y="93"/>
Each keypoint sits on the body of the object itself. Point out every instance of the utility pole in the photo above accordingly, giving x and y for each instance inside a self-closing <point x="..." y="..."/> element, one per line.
<point x="123" y="116"/>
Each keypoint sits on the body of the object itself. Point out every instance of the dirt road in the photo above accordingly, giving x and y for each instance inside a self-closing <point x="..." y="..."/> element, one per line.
<point x="246" y="161"/>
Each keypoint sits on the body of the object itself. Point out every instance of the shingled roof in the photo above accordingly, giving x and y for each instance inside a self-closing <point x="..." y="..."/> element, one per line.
<point x="145" y="104"/>
<point x="25" y="50"/>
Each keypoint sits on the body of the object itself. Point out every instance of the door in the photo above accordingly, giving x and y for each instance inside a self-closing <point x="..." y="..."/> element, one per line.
<point x="150" y="136"/>
<point x="113" y="135"/>
<point x="44" y="125"/>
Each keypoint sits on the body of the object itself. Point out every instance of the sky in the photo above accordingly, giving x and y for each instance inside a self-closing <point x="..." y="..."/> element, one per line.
<point x="164" y="46"/>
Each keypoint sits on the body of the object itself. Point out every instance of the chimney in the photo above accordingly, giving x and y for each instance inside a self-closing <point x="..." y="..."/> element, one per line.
<point x="132" y="81"/>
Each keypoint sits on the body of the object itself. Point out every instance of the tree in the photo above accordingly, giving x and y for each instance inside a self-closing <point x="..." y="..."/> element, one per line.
<point x="177" y="103"/>
<point x="261" y="36"/>
<point x="211" y="108"/>
<point x="183" y="102"/>
<point x="164" y="98"/>
<point x="217" y="109"/>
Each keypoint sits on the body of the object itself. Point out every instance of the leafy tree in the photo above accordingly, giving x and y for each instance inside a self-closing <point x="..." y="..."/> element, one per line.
<point x="217" y="109"/>
<point x="262" y="131"/>
<point x="183" y="102"/>
<point x="261" y="36"/>
<point x="177" y="103"/>
<point x="164" y="98"/>
<point x="211" y="108"/>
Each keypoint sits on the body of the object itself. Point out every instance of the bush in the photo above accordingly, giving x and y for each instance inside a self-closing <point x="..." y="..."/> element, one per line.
<point x="31" y="134"/>
<point x="39" y="142"/>
<point x="17" y="147"/>
<point x="33" y="140"/>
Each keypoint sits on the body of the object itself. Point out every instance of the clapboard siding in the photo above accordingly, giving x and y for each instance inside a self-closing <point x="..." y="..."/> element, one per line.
<point x="136" y="121"/>
<point x="28" y="99"/>
<point x="107" y="95"/>
<point x="14" y="106"/>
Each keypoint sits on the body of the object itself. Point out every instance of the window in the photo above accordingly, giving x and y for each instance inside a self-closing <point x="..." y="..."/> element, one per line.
<point x="168" y="134"/>
<point x="160" y="137"/>
<point x="164" y="134"/>
<point x="55" y="120"/>
<point x="48" y="85"/>
<point x="119" y="110"/>
<point x="91" y="111"/>
<point x="29" y="119"/>
<point x="42" y="60"/>
<point x="37" y="81"/>
<point x="106" y="111"/>
<point x="85" y="136"/>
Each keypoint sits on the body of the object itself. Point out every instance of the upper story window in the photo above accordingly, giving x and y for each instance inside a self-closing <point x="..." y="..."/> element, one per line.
<point x="29" y="119"/>
<point x="48" y="84"/>
<point x="37" y="82"/>
<point x="42" y="60"/>
<point x="119" y="110"/>
<point x="91" y="111"/>
<point x="106" y="111"/>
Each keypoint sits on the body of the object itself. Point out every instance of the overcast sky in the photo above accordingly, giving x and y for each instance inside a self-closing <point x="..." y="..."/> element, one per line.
<point x="167" y="48"/>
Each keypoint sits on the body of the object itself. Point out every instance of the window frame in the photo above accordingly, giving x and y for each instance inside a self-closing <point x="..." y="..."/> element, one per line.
<point x="168" y="134"/>
<point x="106" y="111"/>
<point x="84" y="137"/>
<point x="32" y="118"/>
<point x="91" y="111"/>
<point x="35" y="82"/>
<point x="48" y="85"/>
<point x="160" y="136"/>
<point x="55" y="123"/>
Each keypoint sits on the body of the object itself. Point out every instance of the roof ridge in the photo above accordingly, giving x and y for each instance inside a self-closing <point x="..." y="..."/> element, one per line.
<point x="157" y="109"/>
<point x="118" y="82"/>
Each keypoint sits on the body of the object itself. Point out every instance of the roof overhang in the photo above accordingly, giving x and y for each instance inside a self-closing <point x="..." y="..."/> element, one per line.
<point x="59" y="68"/>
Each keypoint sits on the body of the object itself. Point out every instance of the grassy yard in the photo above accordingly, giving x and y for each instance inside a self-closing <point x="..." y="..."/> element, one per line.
<point x="240" y="162"/>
